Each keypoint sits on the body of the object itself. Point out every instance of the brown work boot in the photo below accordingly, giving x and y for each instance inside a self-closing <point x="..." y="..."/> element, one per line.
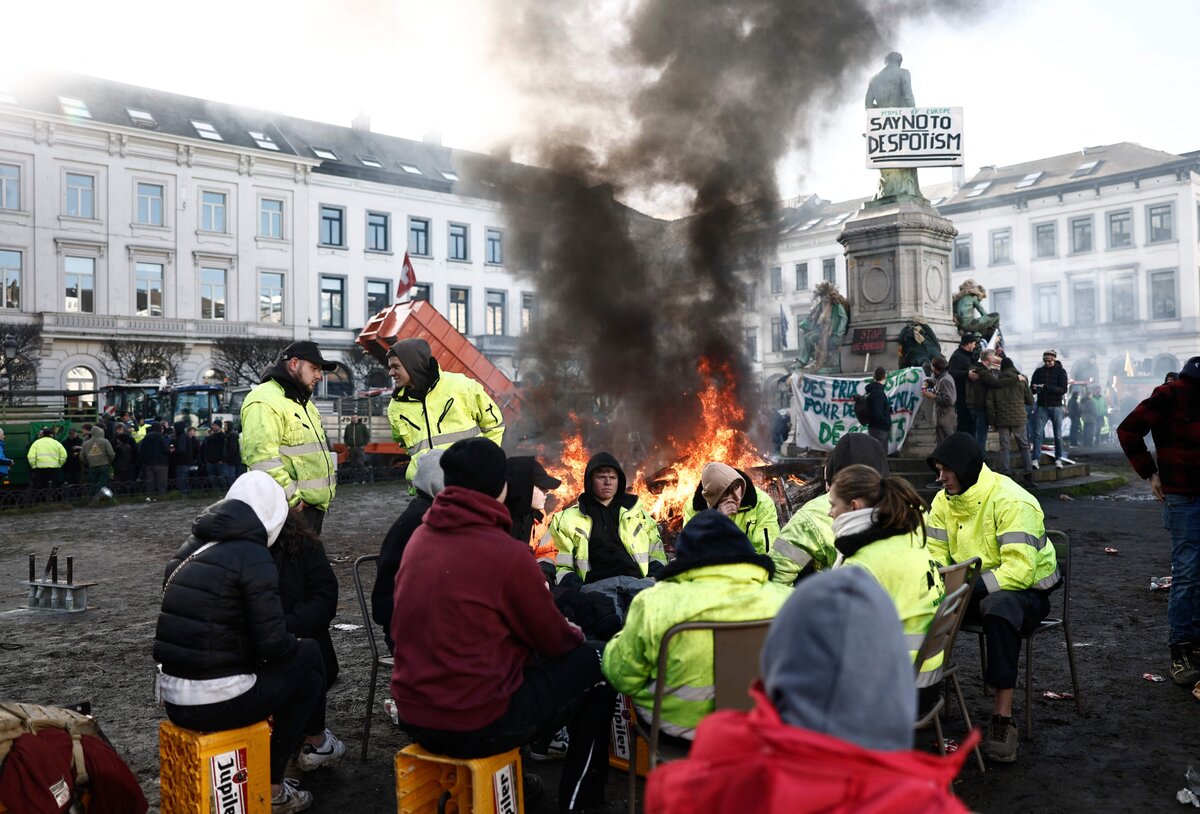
<point x="1000" y="745"/>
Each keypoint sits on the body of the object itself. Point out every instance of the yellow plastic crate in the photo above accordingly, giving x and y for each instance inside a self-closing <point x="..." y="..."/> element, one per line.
<point x="623" y="733"/>
<point x="202" y="772"/>
<point x="490" y="785"/>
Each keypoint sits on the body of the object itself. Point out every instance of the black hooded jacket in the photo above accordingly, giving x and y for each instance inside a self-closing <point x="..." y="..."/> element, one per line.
<point x="607" y="555"/>
<point x="278" y="372"/>
<point x="221" y="613"/>
<point x="960" y="454"/>
<point x="519" y="500"/>
<point x="422" y="369"/>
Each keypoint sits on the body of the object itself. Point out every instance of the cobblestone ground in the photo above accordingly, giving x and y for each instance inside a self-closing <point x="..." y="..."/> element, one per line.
<point x="1128" y="754"/>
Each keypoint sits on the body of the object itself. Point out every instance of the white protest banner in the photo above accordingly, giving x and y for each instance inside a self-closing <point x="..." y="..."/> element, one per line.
<point x="823" y="407"/>
<point x="914" y="137"/>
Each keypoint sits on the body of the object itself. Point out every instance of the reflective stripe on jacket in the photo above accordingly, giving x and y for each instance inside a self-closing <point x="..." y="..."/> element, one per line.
<point x="733" y="592"/>
<point x="285" y="439"/>
<point x="571" y="529"/>
<point x="457" y="407"/>
<point x="759" y="522"/>
<point x="1002" y="524"/>
<point x="46" y="453"/>
<point x="807" y="537"/>
<point x="904" y="567"/>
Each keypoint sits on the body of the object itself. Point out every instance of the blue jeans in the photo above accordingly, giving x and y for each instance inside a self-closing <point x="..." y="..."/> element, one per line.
<point x="1181" y="517"/>
<point x="1053" y="415"/>
<point x="981" y="429"/>
<point x="181" y="477"/>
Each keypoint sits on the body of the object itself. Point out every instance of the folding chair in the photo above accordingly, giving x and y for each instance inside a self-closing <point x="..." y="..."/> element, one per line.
<point x="1062" y="552"/>
<point x="736" y="649"/>
<point x="938" y="639"/>
<point x="956" y="576"/>
<point x="377" y="659"/>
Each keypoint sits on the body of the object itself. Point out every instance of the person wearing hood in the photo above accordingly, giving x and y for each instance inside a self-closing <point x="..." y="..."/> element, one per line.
<point x="471" y="613"/>
<point x="432" y="408"/>
<point x="529" y="484"/>
<point x="716" y="576"/>
<point x="225" y="656"/>
<point x="805" y="544"/>
<point x="731" y="492"/>
<point x="606" y="532"/>
<point x="282" y="433"/>
<point x="1172" y="417"/>
<point x="879" y="525"/>
<point x="982" y="514"/>
<point x="97" y="454"/>
<point x="428" y="482"/>
<point x="832" y="726"/>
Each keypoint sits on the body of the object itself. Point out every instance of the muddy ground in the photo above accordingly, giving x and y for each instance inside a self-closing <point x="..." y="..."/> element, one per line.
<point x="1128" y="754"/>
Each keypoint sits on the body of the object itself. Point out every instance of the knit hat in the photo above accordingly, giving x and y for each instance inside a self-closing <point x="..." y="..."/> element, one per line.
<point x="475" y="463"/>
<point x="856" y="448"/>
<point x="711" y="538"/>
<point x="260" y="492"/>
<point x="715" y="479"/>
<point x="429" y="477"/>
<point x="1191" y="370"/>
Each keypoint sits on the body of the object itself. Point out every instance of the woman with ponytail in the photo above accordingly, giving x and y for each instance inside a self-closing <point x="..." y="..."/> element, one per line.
<point x="879" y="526"/>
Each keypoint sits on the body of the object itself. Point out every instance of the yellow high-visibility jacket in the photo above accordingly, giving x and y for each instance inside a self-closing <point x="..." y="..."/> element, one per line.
<point x="46" y="453"/>
<point x="456" y="407"/>
<point x="757" y="516"/>
<point x="571" y="528"/>
<point x="807" y="537"/>
<point x="284" y="438"/>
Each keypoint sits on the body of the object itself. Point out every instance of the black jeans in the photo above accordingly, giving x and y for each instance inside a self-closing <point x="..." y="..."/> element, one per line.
<point x="314" y="517"/>
<point x="293" y="691"/>
<point x="567" y="690"/>
<point x="1006" y="617"/>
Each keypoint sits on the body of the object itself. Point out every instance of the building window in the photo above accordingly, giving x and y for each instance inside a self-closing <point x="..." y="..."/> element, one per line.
<point x="751" y="344"/>
<point x="81" y="195"/>
<point x="333" y="302"/>
<point x="528" y="312"/>
<point x="378" y="296"/>
<point x="1122" y="300"/>
<point x="776" y="281"/>
<point x="1083" y="303"/>
<point x="82" y="378"/>
<point x="1120" y="229"/>
<point x="10" y="187"/>
<point x="270" y="297"/>
<point x="458" y="245"/>
<point x="150" y="204"/>
<point x="212" y="293"/>
<point x="379" y="232"/>
<point x="495" y="316"/>
<point x="1046" y="297"/>
<point x="776" y="334"/>
<point x="212" y="211"/>
<point x="1001" y="247"/>
<point x="1002" y="300"/>
<point x="802" y="276"/>
<point x="1081" y="235"/>
<point x="1160" y="223"/>
<point x="270" y="218"/>
<point x="80" y="279"/>
<point x="419" y="293"/>
<point x="206" y="130"/>
<point x="10" y="279"/>
<point x="494" y="247"/>
<point x="1162" y="295"/>
<point x="332" y="223"/>
<point x="829" y="269"/>
<point x="460" y="310"/>
<point x="418" y="236"/>
<point x="962" y="252"/>
<point x="149" y="288"/>
<point x="1045" y="240"/>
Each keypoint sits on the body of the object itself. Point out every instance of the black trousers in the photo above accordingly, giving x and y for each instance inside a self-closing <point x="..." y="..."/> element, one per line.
<point x="293" y="691"/>
<point x="567" y="690"/>
<point x="314" y="517"/>
<point x="1006" y="616"/>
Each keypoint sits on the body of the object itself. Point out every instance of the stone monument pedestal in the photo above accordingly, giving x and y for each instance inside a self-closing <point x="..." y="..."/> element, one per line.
<point x="898" y="268"/>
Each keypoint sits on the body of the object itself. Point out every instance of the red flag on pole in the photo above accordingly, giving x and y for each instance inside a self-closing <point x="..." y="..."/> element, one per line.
<point x="408" y="277"/>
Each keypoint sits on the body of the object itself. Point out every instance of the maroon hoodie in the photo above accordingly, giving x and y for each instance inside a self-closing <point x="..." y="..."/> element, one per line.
<point x="471" y="607"/>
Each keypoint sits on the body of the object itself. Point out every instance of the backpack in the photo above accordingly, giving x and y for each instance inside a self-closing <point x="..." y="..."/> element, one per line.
<point x="18" y="719"/>
<point x="862" y="411"/>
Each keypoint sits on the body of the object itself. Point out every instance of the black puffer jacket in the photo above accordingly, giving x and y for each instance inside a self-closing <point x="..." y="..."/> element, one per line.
<point x="221" y="614"/>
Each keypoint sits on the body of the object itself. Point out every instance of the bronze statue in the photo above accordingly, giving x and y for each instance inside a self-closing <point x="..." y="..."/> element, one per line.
<point x="969" y="315"/>
<point x="824" y="328"/>
<point x="918" y="343"/>
<point x="892" y="87"/>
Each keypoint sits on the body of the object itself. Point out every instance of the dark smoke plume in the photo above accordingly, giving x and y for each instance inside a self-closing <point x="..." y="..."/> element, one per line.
<point x="690" y="103"/>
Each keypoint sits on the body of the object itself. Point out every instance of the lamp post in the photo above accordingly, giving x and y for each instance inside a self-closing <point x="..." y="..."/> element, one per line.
<point x="10" y="355"/>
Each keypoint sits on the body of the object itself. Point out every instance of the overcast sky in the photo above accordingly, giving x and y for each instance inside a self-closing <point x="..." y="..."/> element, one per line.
<point x="1035" y="77"/>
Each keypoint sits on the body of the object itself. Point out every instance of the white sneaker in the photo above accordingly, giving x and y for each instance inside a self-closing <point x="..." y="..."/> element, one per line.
<point x="1058" y="463"/>
<point x="1036" y="465"/>
<point x="313" y="757"/>
<point x="290" y="798"/>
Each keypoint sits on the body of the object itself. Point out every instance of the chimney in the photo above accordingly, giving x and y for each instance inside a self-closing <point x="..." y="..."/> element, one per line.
<point x="958" y="177"/>
<point x="361" y="123"/>
<point x="433" y="137"/>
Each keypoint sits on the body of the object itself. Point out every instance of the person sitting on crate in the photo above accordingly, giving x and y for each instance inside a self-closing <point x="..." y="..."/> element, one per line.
<point x="226" y="659"/>
<point x="471" y="613"/>
<point x="731" y="492"/>
<point x="432" y="408"/>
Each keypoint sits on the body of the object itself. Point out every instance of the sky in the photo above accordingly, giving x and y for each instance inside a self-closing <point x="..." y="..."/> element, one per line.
<point x="1035" y="78"/>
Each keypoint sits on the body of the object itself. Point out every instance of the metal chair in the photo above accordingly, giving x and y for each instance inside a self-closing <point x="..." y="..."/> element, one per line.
<point x="956" y="576"/>
<point x="736" y="649"/>
<point x="940" y="636"/>
<point x="1062" y="552"/>
<point x="377" y="659"/>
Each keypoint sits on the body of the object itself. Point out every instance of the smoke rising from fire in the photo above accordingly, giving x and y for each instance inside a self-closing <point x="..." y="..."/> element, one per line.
<point x="686" y="105"/>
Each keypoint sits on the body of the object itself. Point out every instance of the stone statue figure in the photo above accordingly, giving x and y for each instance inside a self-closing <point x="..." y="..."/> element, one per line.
<point x="969" y="315"/>
<point x="892" y="87"/>
<point x="824" y="328"/>
<point x="918" y="343"/>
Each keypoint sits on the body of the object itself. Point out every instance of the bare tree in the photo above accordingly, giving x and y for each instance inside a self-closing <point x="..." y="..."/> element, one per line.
<point x="244" y="360"/>
<point x="21" y="374"/>
<point x="366" y="370"/>
<point x="141" y="360"/>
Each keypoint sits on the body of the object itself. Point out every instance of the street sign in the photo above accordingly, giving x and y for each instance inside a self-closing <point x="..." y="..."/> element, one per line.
<point x="914" y="137"/>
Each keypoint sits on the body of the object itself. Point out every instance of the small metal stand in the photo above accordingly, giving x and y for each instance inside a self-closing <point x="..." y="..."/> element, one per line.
<point x="48" y="593"/>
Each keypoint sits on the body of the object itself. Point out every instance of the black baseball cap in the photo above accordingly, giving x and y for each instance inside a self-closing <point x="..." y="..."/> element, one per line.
<point x="309" y="352"/>
<point x="543" y="479"/>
